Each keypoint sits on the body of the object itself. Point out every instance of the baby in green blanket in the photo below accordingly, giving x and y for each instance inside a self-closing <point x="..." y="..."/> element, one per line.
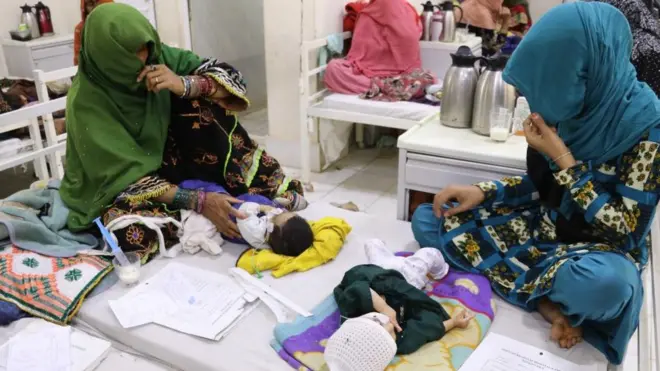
<point x="384" y="316"/>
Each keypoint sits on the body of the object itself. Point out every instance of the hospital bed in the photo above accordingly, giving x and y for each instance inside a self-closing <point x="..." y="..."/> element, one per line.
<point x="247" y="347"/>
<point x="325" y="105"/>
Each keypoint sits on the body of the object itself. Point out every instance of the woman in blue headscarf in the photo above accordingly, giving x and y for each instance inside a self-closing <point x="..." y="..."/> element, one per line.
<point x="569" y="237"/>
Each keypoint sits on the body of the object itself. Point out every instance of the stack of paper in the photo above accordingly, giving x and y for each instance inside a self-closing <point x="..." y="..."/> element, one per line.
<point x="186" y="299"/>
<point x="501" y="353"/>
<point x="43" y="346"/>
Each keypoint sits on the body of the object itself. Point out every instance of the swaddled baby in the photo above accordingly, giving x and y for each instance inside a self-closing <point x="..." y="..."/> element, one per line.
<point x="386" y="312"/>
<point x="267" y="225"/>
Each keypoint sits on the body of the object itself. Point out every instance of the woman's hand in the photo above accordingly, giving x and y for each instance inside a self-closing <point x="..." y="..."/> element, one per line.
<point x="545" y="140"/>
<point x="217" y="208"/>
<point x="467" y="196"/>
<point x="159" y="77"/>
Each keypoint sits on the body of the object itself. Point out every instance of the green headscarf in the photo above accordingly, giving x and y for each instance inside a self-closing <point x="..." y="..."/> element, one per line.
<point x="116" y="129"/>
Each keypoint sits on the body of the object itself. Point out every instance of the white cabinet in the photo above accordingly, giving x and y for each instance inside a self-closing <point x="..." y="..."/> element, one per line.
<point x="432" y="156"/>
<point x="47" y="53"/>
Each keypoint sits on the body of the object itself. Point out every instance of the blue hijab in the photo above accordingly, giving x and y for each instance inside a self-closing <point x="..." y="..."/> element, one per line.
<point x="574" y="69"/>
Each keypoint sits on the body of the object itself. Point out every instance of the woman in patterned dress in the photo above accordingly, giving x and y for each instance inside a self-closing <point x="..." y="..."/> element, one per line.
<point x="568" y="238"/>
<point x="141" y="118"/>
<point x="646" y="39"/>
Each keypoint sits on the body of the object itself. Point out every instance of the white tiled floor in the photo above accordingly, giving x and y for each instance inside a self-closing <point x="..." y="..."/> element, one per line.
<point x="366" y="177"/>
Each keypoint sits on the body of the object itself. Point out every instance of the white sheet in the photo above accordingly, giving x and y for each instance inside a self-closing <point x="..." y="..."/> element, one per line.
<point x="400" y="110"/>
<point x="247" y="346"/>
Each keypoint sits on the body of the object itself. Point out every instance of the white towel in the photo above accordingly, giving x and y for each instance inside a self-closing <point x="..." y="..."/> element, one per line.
<point x="199" y="233"/>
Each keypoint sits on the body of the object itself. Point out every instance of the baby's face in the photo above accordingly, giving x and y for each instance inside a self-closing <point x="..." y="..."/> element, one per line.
<point x="281" y="219"/>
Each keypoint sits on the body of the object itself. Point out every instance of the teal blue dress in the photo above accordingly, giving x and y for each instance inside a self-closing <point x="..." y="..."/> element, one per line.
<point x="513" y="239"/>
<point x="573" y="66"/>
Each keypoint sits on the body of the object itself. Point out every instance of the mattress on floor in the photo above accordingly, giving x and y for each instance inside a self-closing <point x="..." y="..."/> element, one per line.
<point x="247" y="345"/>
<point x="401" y="110"/>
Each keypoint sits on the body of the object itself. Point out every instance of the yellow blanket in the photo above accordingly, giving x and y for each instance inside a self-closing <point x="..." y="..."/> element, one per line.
<point x="329" y="236"/>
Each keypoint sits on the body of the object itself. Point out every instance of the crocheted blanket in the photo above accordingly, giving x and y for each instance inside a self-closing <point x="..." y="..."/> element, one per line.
<point x="301" y="343"/>
<point x="48" y="287"/>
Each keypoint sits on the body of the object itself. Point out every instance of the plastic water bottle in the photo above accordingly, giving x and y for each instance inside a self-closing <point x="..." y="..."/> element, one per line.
<point x="520" y="114"/>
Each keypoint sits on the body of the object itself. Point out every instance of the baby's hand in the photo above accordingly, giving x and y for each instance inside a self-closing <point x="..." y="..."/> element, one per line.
<point x="391" y="314"/>
<point x="462" y="320"/>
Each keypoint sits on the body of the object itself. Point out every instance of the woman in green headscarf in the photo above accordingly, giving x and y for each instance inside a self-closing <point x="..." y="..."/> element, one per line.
<point x="142" y="117"/>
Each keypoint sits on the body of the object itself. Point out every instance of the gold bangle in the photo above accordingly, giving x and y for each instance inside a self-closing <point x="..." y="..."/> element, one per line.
<point x="562" y="156"/>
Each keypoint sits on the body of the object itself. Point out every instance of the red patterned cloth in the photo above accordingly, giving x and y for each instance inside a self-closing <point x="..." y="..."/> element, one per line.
<point x="404" y="87"/>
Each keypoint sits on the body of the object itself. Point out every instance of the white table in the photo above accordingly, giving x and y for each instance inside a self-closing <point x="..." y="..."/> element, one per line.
<point x="47" y="53"/>
<point x="432" y="156"/>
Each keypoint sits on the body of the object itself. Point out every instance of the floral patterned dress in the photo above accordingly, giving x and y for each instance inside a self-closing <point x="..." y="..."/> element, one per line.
<point x="205" y="142"/>
<point x="513" y="239"/>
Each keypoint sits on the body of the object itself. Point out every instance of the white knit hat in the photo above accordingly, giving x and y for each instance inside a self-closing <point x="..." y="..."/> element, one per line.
<point x="360" y="344"/>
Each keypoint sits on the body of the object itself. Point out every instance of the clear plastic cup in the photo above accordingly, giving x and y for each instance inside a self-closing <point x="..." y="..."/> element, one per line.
<point x="128" y="275"/>
<point x="462" y="35"/>
<point x="500" y="125"/>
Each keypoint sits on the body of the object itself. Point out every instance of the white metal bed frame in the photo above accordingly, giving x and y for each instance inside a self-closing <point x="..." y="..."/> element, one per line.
<point x="41" y="78"/>
<point x="44" y="153"/>
<point x="29" y="117"/>
<point x="649" y="332"/>
<point x="311" y="108"/>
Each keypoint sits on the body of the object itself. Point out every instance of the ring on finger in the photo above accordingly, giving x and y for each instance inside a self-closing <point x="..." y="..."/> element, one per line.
<point x="153" y="68"/>
<point x="157" y="80"/>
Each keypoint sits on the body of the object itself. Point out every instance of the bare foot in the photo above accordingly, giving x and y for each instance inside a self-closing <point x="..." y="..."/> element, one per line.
<point x="561" y="331"/>
<point x="564" y="334"/>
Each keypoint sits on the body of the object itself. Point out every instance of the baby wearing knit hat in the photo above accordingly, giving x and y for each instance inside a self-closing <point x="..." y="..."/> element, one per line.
<point x="365" y="343"/>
